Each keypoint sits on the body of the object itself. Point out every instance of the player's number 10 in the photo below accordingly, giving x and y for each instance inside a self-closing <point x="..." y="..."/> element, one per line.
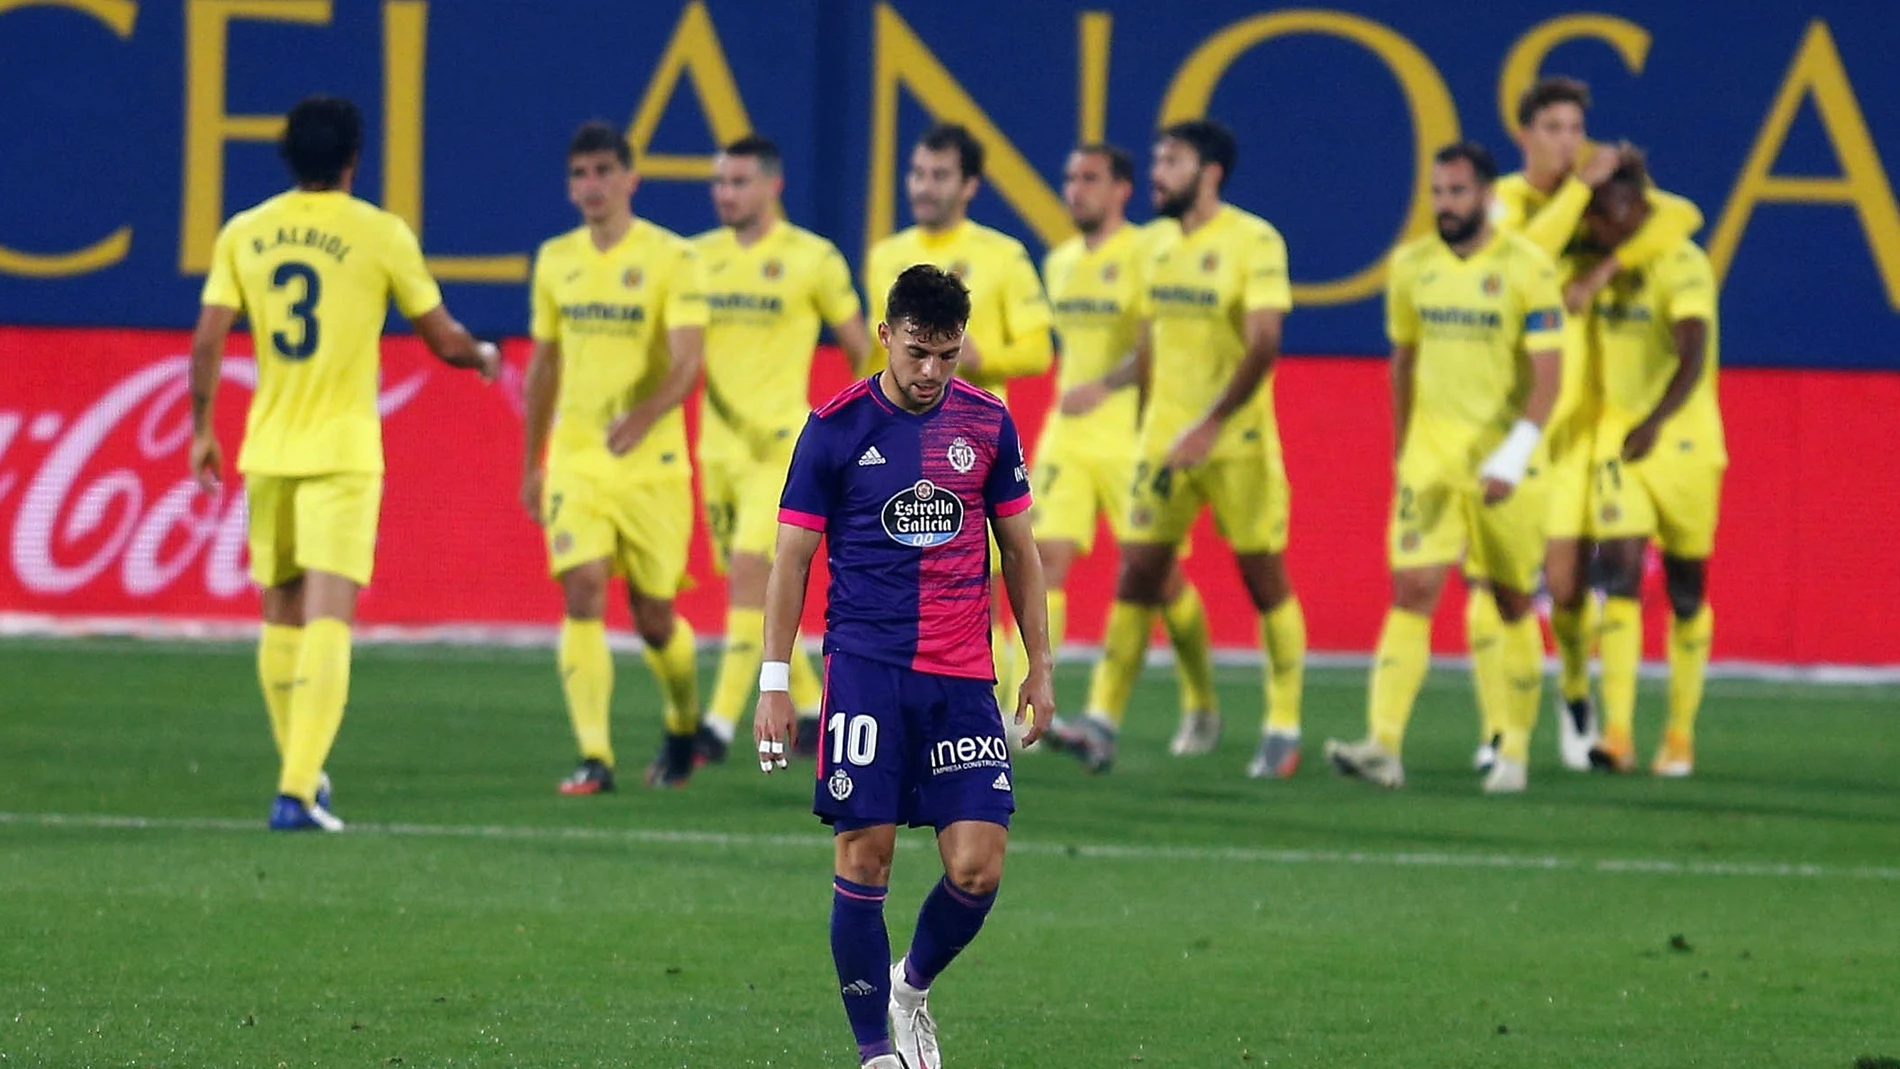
<point x="853" y="738"/>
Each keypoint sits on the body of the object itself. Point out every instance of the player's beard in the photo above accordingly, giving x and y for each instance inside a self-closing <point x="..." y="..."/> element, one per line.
<point x="1089" y="225"/>
<point x="1458" y="229"/>
<point x="1177" y="204"/>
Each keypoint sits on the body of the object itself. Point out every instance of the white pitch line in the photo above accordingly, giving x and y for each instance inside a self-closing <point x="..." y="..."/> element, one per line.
<point x="1097" y="851"/>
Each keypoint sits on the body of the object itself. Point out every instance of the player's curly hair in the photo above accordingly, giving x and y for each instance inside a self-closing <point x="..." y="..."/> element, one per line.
<point x="323" y="135"/>
<point x="1211" y="141"/>
<point x="1632" y="170"/>
<point x="936" y="302"/>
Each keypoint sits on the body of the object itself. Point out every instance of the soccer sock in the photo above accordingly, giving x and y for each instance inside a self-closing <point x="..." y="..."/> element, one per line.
<point x="949" y="919"/>
<point x="587" y="681"/>
<point x="674" y="665"/>
<point x="1283" y="637"/>
<point x="1399" y="665"/>
<point x="1621" y="649"/>
<point x="321" y="688"/>
<point x="861" y="949"/>
<point x="1186" y="621"/>
<point x="1521" y="664"/>
<point x="808" y="692"/>
<point x="1124" y="648"/>
<point x="738" y="677"/>
<point x="1484" y="640"/>
<point x="277" y="650"/>
<point x="1688" y="667"/>
<point x="1572" y="630"/>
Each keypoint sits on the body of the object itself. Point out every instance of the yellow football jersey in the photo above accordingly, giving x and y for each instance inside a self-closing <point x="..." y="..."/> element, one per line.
<point x="1551" y="219"/>
<point x="610" y="311"/>
<point x="1096" y="297"/>
<point x="1200" y="288"/>
<point x="1006" y="301"/>
<point x="764" y="305"/>
<point x="314" y="272"/>
<point x="1473" y="322"/>
<point x="1631" y="327"/>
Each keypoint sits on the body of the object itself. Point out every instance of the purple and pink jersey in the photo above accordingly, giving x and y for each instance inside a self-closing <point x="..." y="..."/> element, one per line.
<point x="903" y="500"/>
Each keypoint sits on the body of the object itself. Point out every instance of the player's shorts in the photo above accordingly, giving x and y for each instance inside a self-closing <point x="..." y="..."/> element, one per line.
<point x="643" y="528"/>
<point x="1674" y="495"/>
<point x="1249" y="494"/>
<point x="324" y="523"/>
<point x="741" y="501"/>
<point x="1438" y="519"/>
<point x="906" y="747"/>
<point x="1568" y="490"/>
<point x="1074" y="489"/>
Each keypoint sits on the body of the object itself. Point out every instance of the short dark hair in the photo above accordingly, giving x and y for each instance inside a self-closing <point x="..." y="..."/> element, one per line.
<point x="1211" y="141"/>
<point x="323" y="135"/>
<point x="760" y="148"/>
<point x="1632" y="169"/>
<point x="1482" y="163"/>
<point x="599" y="135"/>
<point x="1121" y="166"/>
<point x="936" y="302"/>
<point x="955" y="135"/>
<point x="1555" y="89"/>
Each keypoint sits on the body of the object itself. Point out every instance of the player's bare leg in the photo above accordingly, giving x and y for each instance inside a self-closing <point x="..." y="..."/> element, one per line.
<point x="952" y="915"/>
<point x="326" y="604"/>
<point x="672" y="657"/>
<point x="1573" y="626"/>
<point x="1691" y="627"/>
<point x="860" y="942"/>
<point x="587" y="675"/>
<point x="1283" y="642"/>
<point x="1522" y="664"/>
<point x="1139" y="592"/>
<point x="1620" y="645"/>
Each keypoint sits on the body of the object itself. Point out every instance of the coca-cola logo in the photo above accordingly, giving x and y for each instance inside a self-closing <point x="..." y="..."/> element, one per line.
<point x="112" y="488"/>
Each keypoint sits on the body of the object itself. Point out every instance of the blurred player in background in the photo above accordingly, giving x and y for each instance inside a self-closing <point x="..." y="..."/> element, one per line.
<point x="619" y="318"/>
<point x="1008" y="335"/>
<point x="1660" y="457"/>
<point x="769" y="285"/>
<point x="913" y="734"/>
<point x="1085" y="460"/>
<point x="1545" y="201"/>
<point x="1475" y="318"/>
<point x="1216" y="299"/>
<point x="314" y="270"/>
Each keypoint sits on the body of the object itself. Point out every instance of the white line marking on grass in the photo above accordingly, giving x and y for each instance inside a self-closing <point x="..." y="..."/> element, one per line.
<point x="1095" y="851"/>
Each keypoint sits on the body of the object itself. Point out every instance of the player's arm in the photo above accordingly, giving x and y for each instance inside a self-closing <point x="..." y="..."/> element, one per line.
<point x="877" y="284"/>
<point x="1028" y="600"/>
<point x="1404" y="372"/>
<point x="1691" y="287"/>
<point x="773" y="722"/>
<point x="1132" y="370"/>
<point x="1402" y="330"/>
<point x="1671" y="221"/>
<point x="1261" y="335"/>
<point x="1031" y="348"/>
<point x="686" y="351"/>
<point x="419" y="299"/>
<point x="543" y="385"/>
<point x="855" y="339"/>
<point x="452" y="344"/>
<point x="838" y="306"/>
<point x="207" y="359"/>
<point x="1555" y="224"/>
<point x="1542" y="338"/>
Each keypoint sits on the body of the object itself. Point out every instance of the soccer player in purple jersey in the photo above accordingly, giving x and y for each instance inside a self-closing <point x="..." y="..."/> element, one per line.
<point x="898" y="473"/>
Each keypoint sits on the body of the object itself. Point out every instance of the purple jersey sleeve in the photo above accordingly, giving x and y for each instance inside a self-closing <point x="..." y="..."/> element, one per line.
<point x="1006" y="491"/>
<point x="811" y="485"/>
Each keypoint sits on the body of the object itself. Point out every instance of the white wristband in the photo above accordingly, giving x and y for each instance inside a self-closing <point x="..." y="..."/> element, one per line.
<point x="775" y="676"/>
<point x="1512" y="458"/>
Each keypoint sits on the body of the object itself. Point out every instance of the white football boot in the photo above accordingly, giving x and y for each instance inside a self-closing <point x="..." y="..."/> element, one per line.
<point x="913" y="1031"/>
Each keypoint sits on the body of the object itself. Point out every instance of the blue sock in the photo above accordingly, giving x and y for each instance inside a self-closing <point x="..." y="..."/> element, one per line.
<point x="861" y="948"/>
<point x="949" y="920"/>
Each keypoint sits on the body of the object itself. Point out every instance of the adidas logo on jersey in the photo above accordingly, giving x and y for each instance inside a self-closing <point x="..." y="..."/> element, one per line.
<point x="859" y="987"/>
<point x="1001" y="783"/>
<point x="871" y="456"/>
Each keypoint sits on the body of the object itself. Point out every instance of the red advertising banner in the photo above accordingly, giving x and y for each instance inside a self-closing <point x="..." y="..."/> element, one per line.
<point x="99" y="518"/>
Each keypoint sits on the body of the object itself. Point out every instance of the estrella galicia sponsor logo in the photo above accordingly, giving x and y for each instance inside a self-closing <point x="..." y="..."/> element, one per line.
<point x="923" y="515"/>
<point x="840" y="784"/>
<point x="970" y="751"/>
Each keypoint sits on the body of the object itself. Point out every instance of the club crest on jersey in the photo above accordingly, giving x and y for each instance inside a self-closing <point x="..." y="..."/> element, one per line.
<point x="1209" y="263"/>
<point x="840" y="784"/>
<point x="960" y="268"/>
<point x="632" y="278"/>
<point x="962" y="456"/>
<point x="773" y="269"/>
<point x="1492" y="285"/>
<point x="923" y="516"/>
<point x="1111" y="272"/>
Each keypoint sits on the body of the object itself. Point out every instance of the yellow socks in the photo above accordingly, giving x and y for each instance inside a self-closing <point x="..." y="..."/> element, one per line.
<point x="320" y="690"/>
<point x="674" y="666"/>
<point x="1186" y="621"/>
<point x="1399" y="665"/>
<point x="1620" y="646"/>
<point x="278" y="648"/>
<point x="808" y="692"/>
<point x="738" y="678"/>
<point x="1124" y="649"/>
<point x="1688" y="667"/>
<point x="587" y="681"/>
<point x="1522" y="662"/>
<point x="1484" y="640"/>
<point x="1283" y="638"/>
<point x="1573" y="632"/>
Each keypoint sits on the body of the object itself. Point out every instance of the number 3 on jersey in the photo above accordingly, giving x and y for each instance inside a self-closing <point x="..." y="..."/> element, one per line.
<point x="853" y="738"/>
<point x="303" y="310"/>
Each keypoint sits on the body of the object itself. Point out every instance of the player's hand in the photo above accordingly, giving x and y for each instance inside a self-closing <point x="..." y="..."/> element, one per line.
<point x="487" y="360"/>
<point x="1084" y="399"/>
<point x="1193" y="447"/>
<point x="1641" y="441"/>
<point x="626" y="433"/>
<point x="207" y="462"/>
<point x="1036" y="702"/>
<point x="1495" y="490"/>
<point x="531" y="482"/>
<point x="774" y="724"/>
<point x="1600" y="166"/>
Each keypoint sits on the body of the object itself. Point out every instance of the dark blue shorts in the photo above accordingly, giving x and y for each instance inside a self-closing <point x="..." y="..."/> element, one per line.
<point x="907" y="747"/>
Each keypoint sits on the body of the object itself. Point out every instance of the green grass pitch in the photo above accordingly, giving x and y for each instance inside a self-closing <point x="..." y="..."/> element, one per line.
<point x="1171" y="914"/>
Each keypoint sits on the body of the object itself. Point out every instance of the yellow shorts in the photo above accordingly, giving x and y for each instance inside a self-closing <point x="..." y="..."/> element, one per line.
<point x="643" y="528"/>
<point x="324" y="523"/>
<point x="741" y="500"/>
<point x="1568" y="489"/>
<point x="1438" y="519"/>
<point x="1249" y="494"/>
<point x="1073" y="490"/>
<point x="1674" y="495"/>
